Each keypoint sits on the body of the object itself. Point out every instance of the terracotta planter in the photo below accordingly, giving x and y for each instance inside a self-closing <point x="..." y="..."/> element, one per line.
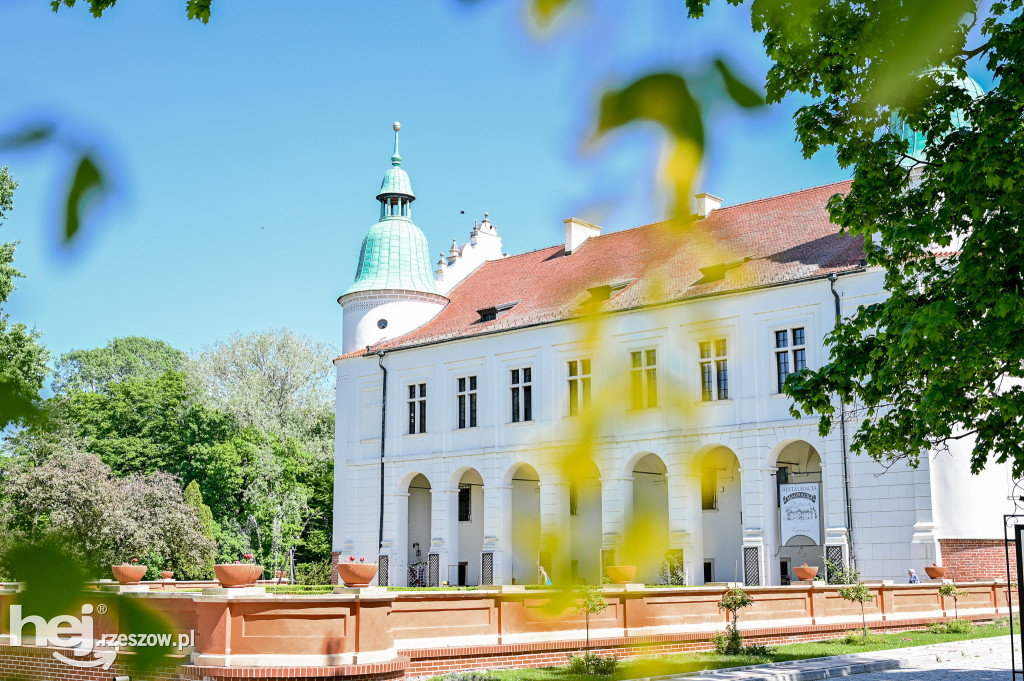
<point x="935" y="571"/>
<point x="279" y="574"/>
<point x="235" y="575"/>
<point x="257" y="573"/>
<point x="357" y="574"/>
<point x="128" y="574"/>
<point x="805" y="574"/>
<point x="621" y="574"/>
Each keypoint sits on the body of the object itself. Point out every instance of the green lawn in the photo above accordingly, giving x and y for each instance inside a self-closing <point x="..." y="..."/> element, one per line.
<point x="693" y="662"/>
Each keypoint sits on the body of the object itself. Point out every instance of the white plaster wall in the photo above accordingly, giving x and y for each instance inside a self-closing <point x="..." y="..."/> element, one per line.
<point x="967" y="505"/>
<point x="403" y="311"/>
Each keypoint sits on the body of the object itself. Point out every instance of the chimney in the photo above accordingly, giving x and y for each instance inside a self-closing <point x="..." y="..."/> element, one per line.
<point x="707" y="203"/>
<point x="576" y="232"/>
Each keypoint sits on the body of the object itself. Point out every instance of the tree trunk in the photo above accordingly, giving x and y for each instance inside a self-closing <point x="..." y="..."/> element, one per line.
<point x="863" y="619"/>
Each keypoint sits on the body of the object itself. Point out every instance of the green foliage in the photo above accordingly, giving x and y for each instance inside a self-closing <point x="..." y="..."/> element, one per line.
<point x="733" y="601"/>
<point x="317" y="573"/>
<point x="467" y="676"/>
<point x="950" y="590"/>
<point x="837" y="573"/>
<point x="858" y="593"/>
<point x="589" y="601"/>
<point x="673" y="571"/>
<point x="194" y="9"/>
<point x="729" y="642"/>
<point x="858" y="638"/>
<point x="957" y="626"/>
<point x="860" y="65"/>
<point x="131" y="357"/>
<point x="591" y="664"/>
<point x="22" y="357"/>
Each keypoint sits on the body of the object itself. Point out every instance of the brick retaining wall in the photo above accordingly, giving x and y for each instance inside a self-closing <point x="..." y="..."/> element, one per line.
<point x="971" y="559"/>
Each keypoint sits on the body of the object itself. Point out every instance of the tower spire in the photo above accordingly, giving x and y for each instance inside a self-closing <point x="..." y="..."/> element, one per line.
<point x="396" y="159"/>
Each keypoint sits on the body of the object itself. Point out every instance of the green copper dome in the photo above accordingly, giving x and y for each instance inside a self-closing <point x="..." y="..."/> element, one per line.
<point x="396" y="182"/>
<point x="916" y="142"/>
<point x="394" y="256"/>
<point x="394" y="253"/>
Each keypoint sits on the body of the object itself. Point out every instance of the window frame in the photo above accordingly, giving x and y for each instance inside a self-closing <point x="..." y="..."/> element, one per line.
<point x="416" y="408"/>
<point x="712" y="366"/>
<point x="788" y="352"/>
<point x="579" y="386"/>
<point x="644" y="375"/>
<point x="467" y="401"/>
<point x="521" y="393"/>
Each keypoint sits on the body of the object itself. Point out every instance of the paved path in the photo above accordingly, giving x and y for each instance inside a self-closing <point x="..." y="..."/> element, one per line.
<point x="986" y="659"/>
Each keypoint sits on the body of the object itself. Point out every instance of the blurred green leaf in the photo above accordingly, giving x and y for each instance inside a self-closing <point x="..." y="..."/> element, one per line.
<point x="136" y="618"/>
<point x="32" y="134"/>
<point x="919" y="35"/>
<point x="87" y="181"/>
<point x="199" y="9"/>
<point x="664" y="98"/>
<point x="740" y="92"/>
<point x="53" y="581"/>
<point x="544" y="12"/>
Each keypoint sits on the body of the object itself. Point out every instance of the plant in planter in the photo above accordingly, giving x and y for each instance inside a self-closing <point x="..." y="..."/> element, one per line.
<point x="620" y="574"/>
<point x="239" y="573"/>
<point x="357" y="573"/>
<point x="129" y="572"/>
<point x="805" y="572"/>
<point x="935" y="571"/>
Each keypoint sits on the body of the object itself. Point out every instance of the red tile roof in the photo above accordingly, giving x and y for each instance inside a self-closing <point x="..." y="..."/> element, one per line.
<point x="768" y="241"/>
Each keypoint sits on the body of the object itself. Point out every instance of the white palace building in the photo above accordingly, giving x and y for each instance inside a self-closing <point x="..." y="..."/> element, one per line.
<point x="462" y="388"/>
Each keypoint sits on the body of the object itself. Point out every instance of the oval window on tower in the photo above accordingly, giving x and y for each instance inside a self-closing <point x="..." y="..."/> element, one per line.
<point x="382" y="324"/>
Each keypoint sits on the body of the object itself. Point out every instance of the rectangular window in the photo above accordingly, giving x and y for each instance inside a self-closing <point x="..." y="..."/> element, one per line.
<point x="709" y="490"/>
<point x="522" y="395"/>
<point x="465" y="503"/>
<point x="579" y="386"/>
<point x="574" y="499"/>
<point x="714" y="370"/>
<point x="789" y="358"/>
<point x="644" y="374"/>
<point x="417" y="408"/>
<point x="466" y="396"/>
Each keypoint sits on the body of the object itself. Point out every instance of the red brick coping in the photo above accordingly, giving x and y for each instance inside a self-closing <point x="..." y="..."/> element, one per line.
<point x="393" y="669"/>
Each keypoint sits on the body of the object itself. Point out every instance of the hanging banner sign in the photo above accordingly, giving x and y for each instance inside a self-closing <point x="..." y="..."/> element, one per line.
<point x="801" y="507"/>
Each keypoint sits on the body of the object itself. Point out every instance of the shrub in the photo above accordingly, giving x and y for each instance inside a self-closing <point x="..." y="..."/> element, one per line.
<point x="590" y="664"/>
<point x="317" y="572"/>
<point x="856" y="638"/>
<point x="837" y="573"/>
<point x="728" y="642"/>
<point x="758" y="650"/>
<point x="954" y="627"/>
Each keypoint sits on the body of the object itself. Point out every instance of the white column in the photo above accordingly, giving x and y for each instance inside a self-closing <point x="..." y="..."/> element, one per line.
<point x="398" y="559"/>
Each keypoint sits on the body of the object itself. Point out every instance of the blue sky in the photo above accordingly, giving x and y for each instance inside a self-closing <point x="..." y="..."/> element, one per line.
<point x="247" y="152"/>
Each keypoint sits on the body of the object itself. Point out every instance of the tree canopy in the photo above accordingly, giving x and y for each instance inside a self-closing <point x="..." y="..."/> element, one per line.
<point x="940" y="359"/>
<point x="22" y="357"/>
<point x="122" y="358"/>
